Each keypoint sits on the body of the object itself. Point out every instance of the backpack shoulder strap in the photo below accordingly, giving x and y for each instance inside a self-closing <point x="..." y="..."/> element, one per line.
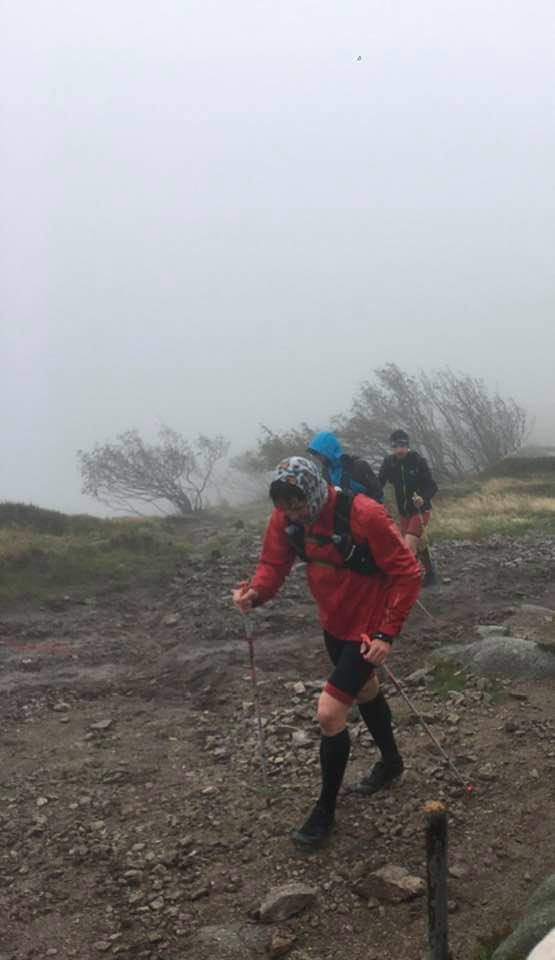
<point x="342" y="513"/>
<point x="296" y="537"/>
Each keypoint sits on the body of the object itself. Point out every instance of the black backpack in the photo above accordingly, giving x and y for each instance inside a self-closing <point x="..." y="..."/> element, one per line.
<point x="357" y="475"/>
<point x="357" y="557"/>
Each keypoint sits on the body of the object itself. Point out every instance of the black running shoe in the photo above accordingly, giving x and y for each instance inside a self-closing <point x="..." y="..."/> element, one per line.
<point x="381" y="775"/>
<point x="315" y="832"/>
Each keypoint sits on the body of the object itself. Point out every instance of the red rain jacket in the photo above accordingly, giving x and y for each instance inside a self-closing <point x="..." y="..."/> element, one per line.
<point x="349" y="603"/>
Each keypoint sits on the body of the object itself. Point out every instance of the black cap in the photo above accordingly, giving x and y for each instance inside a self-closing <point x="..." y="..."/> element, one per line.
<point x="399" y="437"/>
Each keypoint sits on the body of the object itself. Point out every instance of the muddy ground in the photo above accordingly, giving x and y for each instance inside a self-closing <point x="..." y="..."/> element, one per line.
<point x="132" y="821"/>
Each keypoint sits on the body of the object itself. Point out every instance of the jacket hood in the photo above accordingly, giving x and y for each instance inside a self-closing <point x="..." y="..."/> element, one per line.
<point x="327" y="445"/>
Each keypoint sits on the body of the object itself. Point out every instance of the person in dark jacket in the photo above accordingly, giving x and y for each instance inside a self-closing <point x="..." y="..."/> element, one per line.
<point x="360" y="614"/>
<point x="342" y="470"/>
<point x="414" y="487"/>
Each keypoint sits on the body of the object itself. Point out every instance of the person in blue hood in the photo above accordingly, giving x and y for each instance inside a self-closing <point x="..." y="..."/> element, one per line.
<point x="342" y="470"/>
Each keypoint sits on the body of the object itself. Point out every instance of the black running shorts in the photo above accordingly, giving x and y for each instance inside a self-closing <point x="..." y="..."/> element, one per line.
<point x="351" y="671"/>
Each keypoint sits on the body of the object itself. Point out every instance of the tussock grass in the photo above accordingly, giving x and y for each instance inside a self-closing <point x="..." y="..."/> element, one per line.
<point x="447" y="676"/>
<point x="504" y="505"/>
<point x="523" y="467"/>
<point x="104" y="556"/>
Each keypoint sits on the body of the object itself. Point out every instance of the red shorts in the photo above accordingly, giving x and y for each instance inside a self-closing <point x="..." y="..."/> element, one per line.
<point x="415" y="524"/>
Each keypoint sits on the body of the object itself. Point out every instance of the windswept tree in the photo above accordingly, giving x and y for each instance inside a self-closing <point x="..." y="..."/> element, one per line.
<point x="273" y="447"/>
<point x="453" y="418"/>
<point x="458" y="424"/>
<point x="171" y="475"/>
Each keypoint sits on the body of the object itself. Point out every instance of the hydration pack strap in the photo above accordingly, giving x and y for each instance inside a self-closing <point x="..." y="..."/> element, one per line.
<point x="354" y="556"/>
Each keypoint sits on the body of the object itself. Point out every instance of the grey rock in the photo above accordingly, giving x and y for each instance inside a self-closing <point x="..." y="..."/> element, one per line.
<point x="545" y="894"/>
<point x="487" y="772"/>
<point x="301" y="738"/>
<point x="203" y="890"/>
<point x="420" y="677"/>
<point x="103" y="724"/>
<point x="391" y="883"/>
<point x="538" y="921"/>
<point x="281" y="943"/>
<point x="508" y="657"/>
<point x="534" y="608"/>
<point x="527" y="935"/>
<point x="286" y="901"/>
<point x="547" y="644"/>
<point x="172" y="620"/>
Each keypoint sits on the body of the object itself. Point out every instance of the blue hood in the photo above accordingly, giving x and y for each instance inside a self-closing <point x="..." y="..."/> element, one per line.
<point x="327" y="445"/>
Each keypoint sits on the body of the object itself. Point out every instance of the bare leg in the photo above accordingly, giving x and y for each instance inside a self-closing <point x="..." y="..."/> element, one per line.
<point x="412" y="542"/>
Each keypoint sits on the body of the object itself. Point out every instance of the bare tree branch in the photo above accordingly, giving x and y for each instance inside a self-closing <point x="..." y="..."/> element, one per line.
<point x="459" y="426"/>
<point x="169" y="474"/>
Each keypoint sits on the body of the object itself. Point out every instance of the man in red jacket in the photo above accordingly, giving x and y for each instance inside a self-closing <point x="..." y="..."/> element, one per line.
<point x="365" y="580"/>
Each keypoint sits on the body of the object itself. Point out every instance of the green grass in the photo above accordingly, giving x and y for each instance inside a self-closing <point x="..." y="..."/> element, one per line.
<point x="26" y="516"/>
<point x="44" y="553"/>
<point x="512" y="499"/>
<point x="103" y="556"/>
<point x="447" y="675"/>
<point x="523" y="467"/>
<point x="511" y="506"/>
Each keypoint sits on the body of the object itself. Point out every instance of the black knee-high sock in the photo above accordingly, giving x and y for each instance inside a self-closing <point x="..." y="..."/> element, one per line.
<point x="334" y="753"/>
<point x="377" y="717"/>
<point x="426" y="558"/>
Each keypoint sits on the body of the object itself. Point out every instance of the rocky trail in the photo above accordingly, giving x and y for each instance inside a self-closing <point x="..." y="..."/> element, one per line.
<point x="132" y="817"/>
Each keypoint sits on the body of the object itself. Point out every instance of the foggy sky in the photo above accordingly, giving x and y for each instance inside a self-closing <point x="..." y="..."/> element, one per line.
<point x="213" y="215"/>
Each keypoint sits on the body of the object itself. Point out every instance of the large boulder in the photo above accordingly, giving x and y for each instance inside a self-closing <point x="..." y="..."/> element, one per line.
<point x="537" y="922"/>
<point x="509" y="657"/>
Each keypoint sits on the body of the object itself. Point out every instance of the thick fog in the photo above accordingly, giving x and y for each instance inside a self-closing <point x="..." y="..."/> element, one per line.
<point x="219" y="214"/>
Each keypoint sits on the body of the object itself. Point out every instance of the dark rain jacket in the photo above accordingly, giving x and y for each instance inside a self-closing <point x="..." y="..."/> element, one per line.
<point x="409" y="475"/>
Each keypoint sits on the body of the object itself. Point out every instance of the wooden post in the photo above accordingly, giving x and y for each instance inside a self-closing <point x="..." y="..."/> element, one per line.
<point x="436" y="860"/>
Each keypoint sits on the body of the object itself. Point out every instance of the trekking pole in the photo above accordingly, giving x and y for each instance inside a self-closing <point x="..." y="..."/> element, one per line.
<point x="260" y="729"/>
<point x="427" y="612"/>
<point x="468" y="788"/>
